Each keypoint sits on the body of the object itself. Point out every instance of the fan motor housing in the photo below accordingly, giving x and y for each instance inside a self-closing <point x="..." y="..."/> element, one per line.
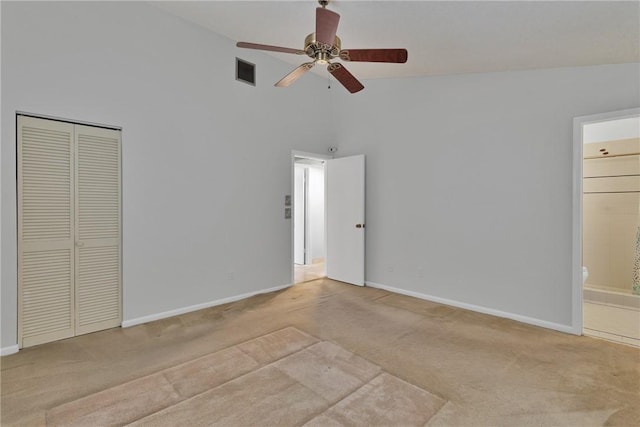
<point x="320" y="51"/>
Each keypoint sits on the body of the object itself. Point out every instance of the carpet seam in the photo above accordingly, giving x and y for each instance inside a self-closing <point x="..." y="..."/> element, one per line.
<point x="444" y="399"/>
<point x="259" y="367"/>
<point x="227" y="382"/>
<point x="382" y="371"/>
<point x="343" y="398"/>
<point x="273" y="361"/>
<point x="161" y="372"/>
<point x="164" y="375"/>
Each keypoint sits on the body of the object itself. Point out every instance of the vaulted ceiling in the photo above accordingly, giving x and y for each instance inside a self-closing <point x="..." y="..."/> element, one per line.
<point x="442" y="37"/>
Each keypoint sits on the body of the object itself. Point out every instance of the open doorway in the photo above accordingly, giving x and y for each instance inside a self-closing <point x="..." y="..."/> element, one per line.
<point x="610" y="226"/>
<point x="309" y="247"/>
<point x="339" y="252"/>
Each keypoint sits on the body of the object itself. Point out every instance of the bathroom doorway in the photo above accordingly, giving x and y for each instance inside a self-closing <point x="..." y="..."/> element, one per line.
<point x="309" y="247"/>
<point x="610" y="227"/>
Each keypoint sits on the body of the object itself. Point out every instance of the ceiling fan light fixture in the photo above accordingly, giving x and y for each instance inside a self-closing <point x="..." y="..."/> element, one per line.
<point x="322" y="57"/>
<point x="324" y="45"/>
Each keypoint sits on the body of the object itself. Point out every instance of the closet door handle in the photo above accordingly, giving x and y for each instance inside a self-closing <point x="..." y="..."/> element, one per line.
<point x="80" y="244"/>
<point x="359" y="225"/>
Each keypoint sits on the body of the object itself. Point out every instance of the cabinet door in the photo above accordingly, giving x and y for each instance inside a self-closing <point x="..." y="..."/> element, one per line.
<point x="97" y="229"/>
<point x="45" y="231"/>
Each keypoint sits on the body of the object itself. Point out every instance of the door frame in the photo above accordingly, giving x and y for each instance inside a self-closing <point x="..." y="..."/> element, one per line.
<point x="307" y="155"/>
<point x="577" y="321"/>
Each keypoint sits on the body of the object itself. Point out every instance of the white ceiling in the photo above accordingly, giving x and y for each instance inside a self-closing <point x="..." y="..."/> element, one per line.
<point x="442" y="37"/>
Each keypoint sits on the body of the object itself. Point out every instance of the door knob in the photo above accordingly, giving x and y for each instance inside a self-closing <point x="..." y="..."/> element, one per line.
<point x="359" y="225"/>
<point x="80" y="244"/>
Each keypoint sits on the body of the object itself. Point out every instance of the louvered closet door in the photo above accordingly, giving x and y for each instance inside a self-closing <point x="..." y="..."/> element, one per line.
<point x="98" y="225"/>
<point x="45" y="231"/>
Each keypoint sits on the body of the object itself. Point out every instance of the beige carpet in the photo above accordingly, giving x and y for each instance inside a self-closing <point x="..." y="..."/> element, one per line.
<point x="319" y="382"/>
<point x="490" y="372"/>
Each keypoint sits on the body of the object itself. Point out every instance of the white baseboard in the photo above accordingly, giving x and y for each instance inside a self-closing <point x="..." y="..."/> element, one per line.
<point x="157" y="316"/>
<point x="12" y="349"/>
<point x="480" y="309"/>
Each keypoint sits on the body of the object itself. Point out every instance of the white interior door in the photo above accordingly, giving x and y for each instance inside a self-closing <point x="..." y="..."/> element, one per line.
<point x="345" y="219"/>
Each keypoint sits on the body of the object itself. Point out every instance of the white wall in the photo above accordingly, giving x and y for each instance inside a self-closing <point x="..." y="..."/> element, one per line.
<point x="206" y="159"/>
<point x="469" y="182"/>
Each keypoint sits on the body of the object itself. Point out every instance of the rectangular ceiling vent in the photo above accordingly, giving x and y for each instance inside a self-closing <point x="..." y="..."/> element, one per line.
<point x="245" y="72"/>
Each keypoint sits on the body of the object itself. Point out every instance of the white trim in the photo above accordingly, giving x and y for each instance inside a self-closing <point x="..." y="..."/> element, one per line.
<point x="478" y="308"/>
<point x="12" y="349"/>
<point x="62" y="119"/>
<point x="308" y="155"/>
<point x="576" y="248"/>
<point x="183" y="310"/>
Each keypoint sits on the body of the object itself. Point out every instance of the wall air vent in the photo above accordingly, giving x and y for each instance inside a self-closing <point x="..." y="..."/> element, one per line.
<point x="245" y="72"/>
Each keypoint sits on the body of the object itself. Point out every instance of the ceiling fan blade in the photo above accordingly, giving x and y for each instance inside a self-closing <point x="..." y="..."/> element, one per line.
<point x="326" y="26"/>
<point x="374" y="55"/>
<point x="269" y="47"/>
<point x="345" y="77"/>
<point x="295" y="74"/>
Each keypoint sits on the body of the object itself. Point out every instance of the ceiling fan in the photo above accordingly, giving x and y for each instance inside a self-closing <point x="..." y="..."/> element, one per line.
<point x="323" y="46"/>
